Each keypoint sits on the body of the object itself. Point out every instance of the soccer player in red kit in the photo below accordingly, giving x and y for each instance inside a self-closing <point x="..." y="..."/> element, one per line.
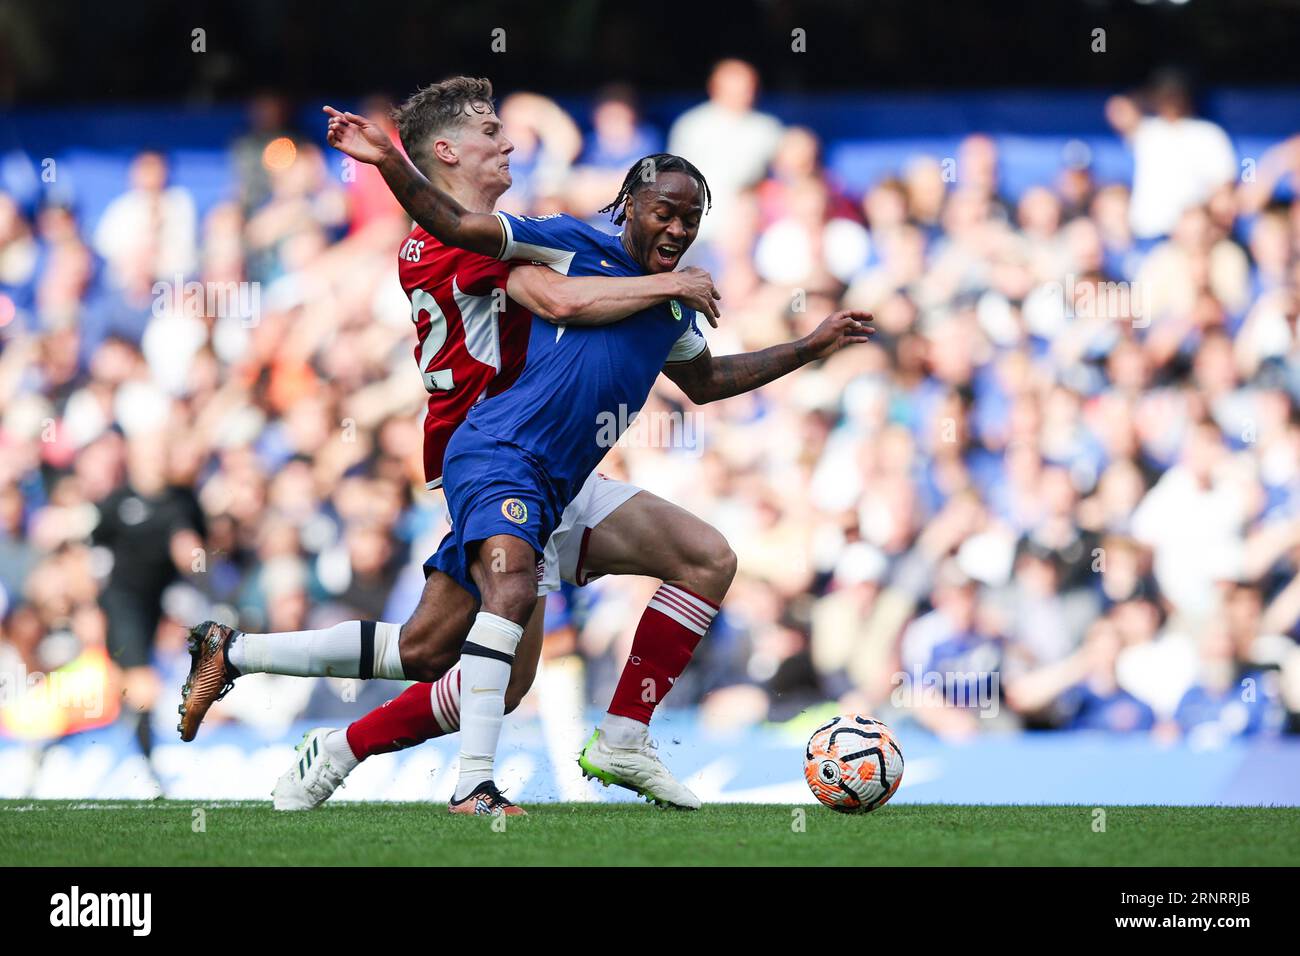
<point x="472" y="318"/>
<point x="471" y="345"/>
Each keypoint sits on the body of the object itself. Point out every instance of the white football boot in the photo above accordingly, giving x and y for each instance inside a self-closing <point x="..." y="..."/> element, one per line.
<point x="636" y="768"/>
<point x="314" y="776"/>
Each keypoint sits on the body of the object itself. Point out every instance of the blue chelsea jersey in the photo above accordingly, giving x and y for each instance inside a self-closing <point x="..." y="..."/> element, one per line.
<point x="580" y="384"/>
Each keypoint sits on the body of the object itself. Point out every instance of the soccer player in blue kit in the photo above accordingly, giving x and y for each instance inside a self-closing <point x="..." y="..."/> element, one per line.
<point x="518" y="459"/>
<point x="513" y="465"/>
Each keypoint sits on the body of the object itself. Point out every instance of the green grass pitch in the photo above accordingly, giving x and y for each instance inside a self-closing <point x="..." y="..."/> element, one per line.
<point x="167" y="833"/>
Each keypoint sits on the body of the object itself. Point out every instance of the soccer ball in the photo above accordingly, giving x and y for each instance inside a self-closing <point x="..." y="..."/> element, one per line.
<point x="853" y="764"/>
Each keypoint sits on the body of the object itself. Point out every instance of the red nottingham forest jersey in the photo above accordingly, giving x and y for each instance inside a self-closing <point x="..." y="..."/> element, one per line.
<point x="471" y="339"/>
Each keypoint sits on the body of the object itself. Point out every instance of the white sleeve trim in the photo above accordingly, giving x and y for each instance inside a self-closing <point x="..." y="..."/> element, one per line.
<point x="507" y="235"/>
<point x="561" y="260"/>
<point x="689" y="346"/>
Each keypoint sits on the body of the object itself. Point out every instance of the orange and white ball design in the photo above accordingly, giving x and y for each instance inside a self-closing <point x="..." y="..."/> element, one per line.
<point x="853" y="764"/>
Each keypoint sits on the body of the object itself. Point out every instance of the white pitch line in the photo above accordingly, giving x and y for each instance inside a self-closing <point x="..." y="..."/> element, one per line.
<point x="176" y="805"/>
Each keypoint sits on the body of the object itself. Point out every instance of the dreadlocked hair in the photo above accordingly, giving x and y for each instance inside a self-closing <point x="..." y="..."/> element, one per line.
<point x="644" y="172"/>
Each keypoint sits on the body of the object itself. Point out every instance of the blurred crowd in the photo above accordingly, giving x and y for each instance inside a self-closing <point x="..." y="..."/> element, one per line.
<point x="1060" y="488"/>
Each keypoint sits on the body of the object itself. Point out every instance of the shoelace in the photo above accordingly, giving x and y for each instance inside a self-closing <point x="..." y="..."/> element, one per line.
<point x="316" y="785"/>
<point x="650" y="750"/>
<point x="653" y="747"/>
<point x="313" y="781"/>
<point x="496" y="798"/>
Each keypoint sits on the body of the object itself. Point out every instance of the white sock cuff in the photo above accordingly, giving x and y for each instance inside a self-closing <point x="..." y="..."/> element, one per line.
<point x="623" y="731"/>
<point x="444" y="698"/>
<point x="336" y="743"/>
<point x="237" y="655"/>
<point x="388" y="657"/>
<point x="495" y="633"/>
<point x="690" y="611"/>
<point x="252" y="654"/>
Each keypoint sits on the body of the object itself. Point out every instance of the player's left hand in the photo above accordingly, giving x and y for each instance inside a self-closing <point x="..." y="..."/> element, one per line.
<point x="356" y="136"/>
<point x="836" y="331"/>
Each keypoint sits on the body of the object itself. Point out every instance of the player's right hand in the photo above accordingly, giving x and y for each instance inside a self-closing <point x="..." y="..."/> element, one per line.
<point x="356" y="136"/>
<point x="697" y="291"/>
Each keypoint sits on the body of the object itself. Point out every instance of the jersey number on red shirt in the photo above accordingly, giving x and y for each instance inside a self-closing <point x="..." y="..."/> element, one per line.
<point x="438" y="379"/>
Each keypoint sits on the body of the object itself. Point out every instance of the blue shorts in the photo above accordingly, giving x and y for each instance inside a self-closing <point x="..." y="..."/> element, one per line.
<point x="492" y="488"/>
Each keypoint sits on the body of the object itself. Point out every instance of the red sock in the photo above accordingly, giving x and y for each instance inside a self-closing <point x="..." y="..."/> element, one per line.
<point x="673" y="623"/>
<point x="419" y="713"/>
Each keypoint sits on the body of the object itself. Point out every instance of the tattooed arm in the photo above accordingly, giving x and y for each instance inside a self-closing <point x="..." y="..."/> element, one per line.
<point x="709" y="378"/>
<point x="436" y="212"/>
<point x="439" y="214"/>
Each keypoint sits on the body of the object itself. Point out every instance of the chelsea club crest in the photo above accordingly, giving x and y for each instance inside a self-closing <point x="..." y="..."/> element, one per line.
<point x="514" y="510"/>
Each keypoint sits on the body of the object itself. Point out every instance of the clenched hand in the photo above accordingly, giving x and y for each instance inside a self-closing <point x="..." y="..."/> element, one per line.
<point x="697" y="291"/>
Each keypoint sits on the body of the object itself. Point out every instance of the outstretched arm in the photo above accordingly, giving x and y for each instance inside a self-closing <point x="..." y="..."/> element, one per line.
<point x="436" y="212"/>
<point x="709" y="378"/>
<point x="600" y="300"/>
